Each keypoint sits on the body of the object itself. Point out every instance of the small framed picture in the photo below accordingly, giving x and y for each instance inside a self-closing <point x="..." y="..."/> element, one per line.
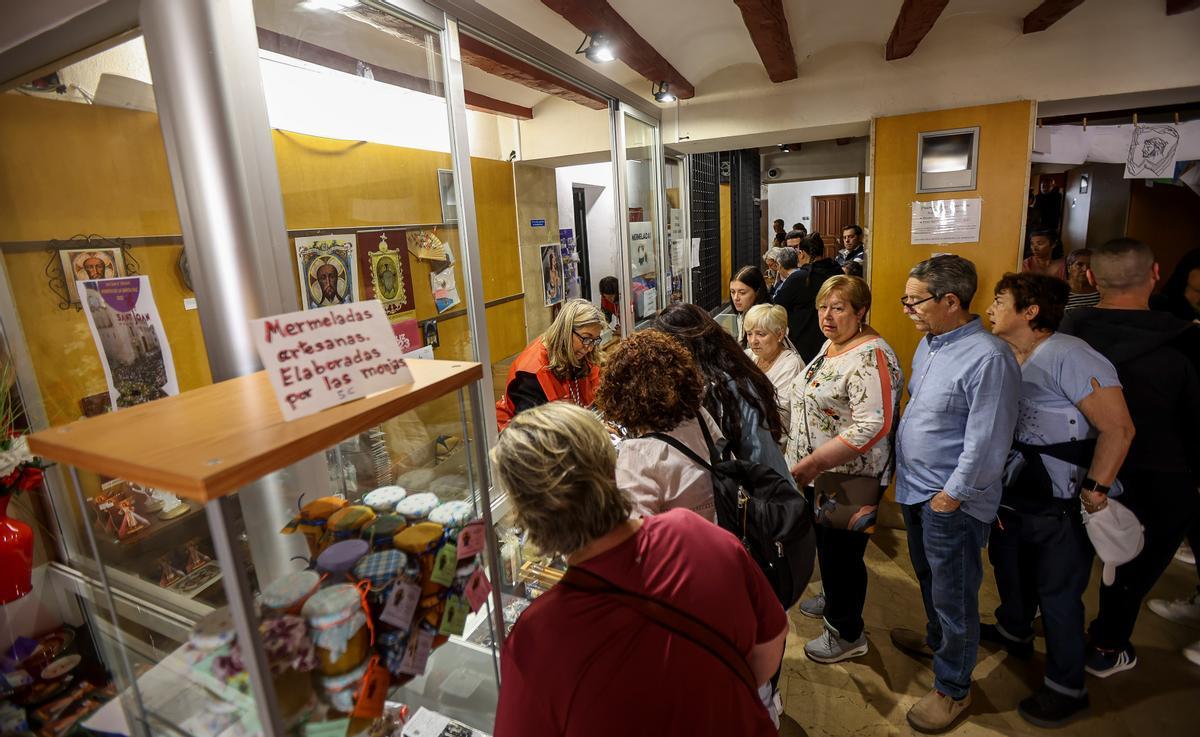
<point x="86" y="264"/>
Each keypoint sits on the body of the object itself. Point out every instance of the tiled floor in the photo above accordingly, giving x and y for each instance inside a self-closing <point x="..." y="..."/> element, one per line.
<point x="870" y="696"/>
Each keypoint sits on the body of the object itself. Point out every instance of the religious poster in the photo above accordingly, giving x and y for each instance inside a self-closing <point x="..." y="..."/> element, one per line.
<point x="570" y="257"/>
<point x="328" y="270"/>
<point x="129" y="335"/>
<point x="1152" y="152"/>
<point x="552" y="275"/>
<point x="642" y="258"/>
<point x="80" y="264"/>
<point x="389" y="279"/>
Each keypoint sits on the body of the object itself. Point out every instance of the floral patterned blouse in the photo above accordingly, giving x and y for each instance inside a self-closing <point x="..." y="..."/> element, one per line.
<point x="853" y="396"/>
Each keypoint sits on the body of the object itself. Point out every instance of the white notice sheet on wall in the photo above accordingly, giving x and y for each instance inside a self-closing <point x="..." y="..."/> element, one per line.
<point x="946" y="221"/>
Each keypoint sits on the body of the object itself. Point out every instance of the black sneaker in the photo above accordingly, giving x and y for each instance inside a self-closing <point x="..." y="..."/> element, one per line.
<point x="1048" y="708"/>
<point x="1104" y="663"/>
<point x="990" y="633"/>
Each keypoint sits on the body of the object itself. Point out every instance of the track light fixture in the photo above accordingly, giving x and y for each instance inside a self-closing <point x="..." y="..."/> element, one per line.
<point x="596" y="48"/>
<point x="663" y="93"/>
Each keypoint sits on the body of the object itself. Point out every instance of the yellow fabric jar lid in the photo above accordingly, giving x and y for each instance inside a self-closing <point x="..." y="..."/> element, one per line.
<point x="418" y="538"/>
<point x="353" y="517"/>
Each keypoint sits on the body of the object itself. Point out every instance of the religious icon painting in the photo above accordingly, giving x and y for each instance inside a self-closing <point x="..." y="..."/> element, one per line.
<point x="85" y="264"/>
<point x="386" y="263"/>
<point x="328" y="270"/>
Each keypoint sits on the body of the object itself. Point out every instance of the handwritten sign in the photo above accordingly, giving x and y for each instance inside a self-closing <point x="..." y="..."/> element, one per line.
<point x="321" y="358"/>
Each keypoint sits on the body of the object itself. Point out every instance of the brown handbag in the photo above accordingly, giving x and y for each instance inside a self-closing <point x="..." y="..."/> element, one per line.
<point x="845" y="501"/>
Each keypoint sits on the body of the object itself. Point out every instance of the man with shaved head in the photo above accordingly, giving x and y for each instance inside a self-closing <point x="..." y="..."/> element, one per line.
<point x="1157" y="357"/>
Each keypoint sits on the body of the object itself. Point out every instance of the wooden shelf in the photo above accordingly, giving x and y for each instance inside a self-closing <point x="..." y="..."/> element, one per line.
<point x="208" y="442"/>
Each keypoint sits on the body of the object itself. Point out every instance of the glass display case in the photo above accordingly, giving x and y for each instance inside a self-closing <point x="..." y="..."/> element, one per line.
<point x="384" y="603"/>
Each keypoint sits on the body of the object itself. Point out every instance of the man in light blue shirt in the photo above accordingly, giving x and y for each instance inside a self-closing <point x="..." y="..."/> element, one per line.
<point x="951" y="446"/>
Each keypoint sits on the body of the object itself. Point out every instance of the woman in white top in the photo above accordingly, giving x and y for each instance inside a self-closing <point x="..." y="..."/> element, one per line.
<point x="771" y="351"/>
<point x="844" y="407"/>
<point x="650" y="384"/>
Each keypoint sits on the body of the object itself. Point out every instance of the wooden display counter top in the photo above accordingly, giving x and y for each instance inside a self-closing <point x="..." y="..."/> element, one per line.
<point x="208" y="442"/>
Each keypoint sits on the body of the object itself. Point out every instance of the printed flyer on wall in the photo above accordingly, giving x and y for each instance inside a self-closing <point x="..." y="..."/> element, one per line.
<point x="129" y="334"/>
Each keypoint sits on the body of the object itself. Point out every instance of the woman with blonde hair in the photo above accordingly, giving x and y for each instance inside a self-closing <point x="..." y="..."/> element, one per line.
<point x="558" y="365"/>
<point x="844" y="406"/>
<point x="770" y="349"/>
<point x="669" y="605"/>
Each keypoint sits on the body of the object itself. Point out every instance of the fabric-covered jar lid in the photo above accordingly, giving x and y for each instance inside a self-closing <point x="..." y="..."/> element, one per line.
<point x="417" y="479"/>
<point x="331" y="603"/>
<point x="345" y="680"/>
<point x="418" y="538"/>
<point x="418" y="506"/>
<point x="385" y="498"/>
<point x="379" y="568"/>
<point x="453" y="515"/>
<point x="341" y="557"/>
<point x="386" y="525"/>
<point x="316" y="511"/>
<point x="353" y="517"/>
<point x="284" y="592"/>
<point x="213" y="631"/>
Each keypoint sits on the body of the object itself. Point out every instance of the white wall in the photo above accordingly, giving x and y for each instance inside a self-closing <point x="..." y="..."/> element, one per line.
<point x="596" y="179"/>
<point x="792" y="201"/>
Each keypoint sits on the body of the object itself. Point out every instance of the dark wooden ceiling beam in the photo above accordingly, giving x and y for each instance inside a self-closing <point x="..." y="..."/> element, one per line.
<point x="313" y="54"/>
<point x="506" y="66"/>
<point x="592" y="16"/>
<point x="483" y="104"/>
<point x="1047" y="14"/>
<point x="915" y="19"/>
<point x="768" y="29"/>
<point x="1175" y="7"/>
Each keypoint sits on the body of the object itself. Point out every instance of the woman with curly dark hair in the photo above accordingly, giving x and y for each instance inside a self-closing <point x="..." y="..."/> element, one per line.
<point x="651" y="384"/>
<point x="738" y="394"/>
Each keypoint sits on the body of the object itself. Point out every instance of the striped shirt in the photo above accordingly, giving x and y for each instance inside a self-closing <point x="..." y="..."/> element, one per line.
<point x="1082" y="299"/>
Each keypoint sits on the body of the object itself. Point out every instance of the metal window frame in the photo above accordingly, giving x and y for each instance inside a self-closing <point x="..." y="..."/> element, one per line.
<point x="620" y="112"/>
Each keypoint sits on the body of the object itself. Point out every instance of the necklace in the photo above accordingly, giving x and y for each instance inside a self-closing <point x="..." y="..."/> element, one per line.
<point x="573" y="390"/>
<point x="766" y="365"/>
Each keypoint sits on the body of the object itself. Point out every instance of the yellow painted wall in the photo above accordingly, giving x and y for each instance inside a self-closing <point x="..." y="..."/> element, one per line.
<point x="1004" y="152"/>
<point x="537" y="199"/>
<point x="70" y="168"/>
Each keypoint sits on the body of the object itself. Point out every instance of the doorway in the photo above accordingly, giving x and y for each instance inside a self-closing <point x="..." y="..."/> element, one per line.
<point x="579" y="210"/>
<point x="831" y="213"/>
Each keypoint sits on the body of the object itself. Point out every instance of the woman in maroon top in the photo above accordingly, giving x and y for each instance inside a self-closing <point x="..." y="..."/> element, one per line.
<point x="582" y="662"/>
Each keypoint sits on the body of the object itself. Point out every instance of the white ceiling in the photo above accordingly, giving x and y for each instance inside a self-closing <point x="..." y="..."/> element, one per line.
<point x="705" y="38"/>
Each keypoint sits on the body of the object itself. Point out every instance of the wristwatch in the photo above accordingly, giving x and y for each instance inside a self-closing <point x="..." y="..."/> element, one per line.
<point x="1090" y="484"/>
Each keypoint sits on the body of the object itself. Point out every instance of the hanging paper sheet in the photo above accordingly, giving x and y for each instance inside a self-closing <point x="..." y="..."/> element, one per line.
<point x="130" y="337"/>
<point x="1152" y="152"/>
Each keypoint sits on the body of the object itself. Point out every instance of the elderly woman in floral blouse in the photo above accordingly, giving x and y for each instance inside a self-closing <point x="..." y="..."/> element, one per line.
<point x="844" y="406"/>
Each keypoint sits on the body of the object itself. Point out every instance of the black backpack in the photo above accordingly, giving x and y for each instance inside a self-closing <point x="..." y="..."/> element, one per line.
<point x="763" y="510"/>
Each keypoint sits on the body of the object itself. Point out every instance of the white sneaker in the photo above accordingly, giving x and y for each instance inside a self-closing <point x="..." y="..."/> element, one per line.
<point x="1183" y="611"/>
<point x="1185" y="554"/>
<point x="1192" y="652"/>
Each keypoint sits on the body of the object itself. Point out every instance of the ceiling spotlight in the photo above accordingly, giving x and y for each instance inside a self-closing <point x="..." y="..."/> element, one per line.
<point x="596" y="48"/>
<point x="663" y="93"/>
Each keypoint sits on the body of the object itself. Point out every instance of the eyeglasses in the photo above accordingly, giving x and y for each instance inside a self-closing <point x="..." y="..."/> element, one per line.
<point x="908" y="305"/>
<point x="587" y="342"/>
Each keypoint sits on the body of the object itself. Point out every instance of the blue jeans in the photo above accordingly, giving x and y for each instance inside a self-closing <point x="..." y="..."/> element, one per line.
<point x="946" y="551"/>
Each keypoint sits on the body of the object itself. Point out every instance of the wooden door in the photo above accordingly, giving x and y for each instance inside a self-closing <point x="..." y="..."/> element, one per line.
<point x="831" y="213"/>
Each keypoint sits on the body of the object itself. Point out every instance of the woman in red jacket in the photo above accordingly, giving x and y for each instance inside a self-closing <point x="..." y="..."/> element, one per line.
<point x="559" y="364"/>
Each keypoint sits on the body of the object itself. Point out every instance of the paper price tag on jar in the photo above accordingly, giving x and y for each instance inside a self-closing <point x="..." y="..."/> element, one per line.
<point x="401" y="605"/>
<point x="470" y="540"/>
<point x="321" y="358"/>
<point x="477" y="589"/>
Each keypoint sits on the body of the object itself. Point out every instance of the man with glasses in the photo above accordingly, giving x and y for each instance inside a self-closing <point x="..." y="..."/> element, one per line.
<point x="951" y="446"/>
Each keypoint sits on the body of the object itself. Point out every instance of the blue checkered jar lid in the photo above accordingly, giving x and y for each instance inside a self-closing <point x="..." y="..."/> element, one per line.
<point x="380" y="568"/>
<point x="418" y="506"/>
<point x="385" y="498"/>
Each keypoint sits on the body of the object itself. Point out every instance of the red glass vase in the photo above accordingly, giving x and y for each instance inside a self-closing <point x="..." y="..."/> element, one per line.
<point x="16" y="555"/>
